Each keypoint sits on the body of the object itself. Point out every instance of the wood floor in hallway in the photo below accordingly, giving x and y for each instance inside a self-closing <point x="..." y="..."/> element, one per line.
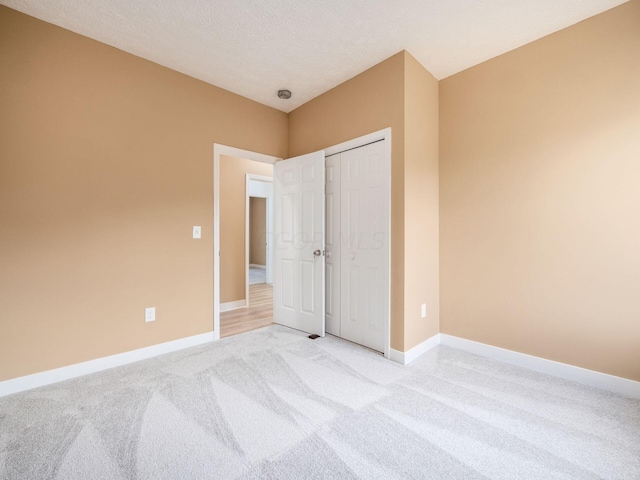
<point x="258" y="314"/>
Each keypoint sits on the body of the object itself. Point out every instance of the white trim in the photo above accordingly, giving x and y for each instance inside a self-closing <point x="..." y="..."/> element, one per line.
<point x="622" y="386"/>
<point x="384" y="135"/>
<point x="28" y="382"/>
<point x="247" y="236"/>
<point x="219" y="150"/>
<point x="225" y="307"/>
<point x="260" y="178"/>
<point x="255" y="265"/>
<point x="619" y="385"/>
<point x="397" y="356"/>
<point x="405" y="358"/>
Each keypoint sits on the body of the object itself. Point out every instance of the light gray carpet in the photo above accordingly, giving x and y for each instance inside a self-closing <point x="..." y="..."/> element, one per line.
<point x="274" y="404"/>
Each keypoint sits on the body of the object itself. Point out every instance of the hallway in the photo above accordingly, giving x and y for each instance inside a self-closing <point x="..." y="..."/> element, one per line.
<point x="257" y="315"/>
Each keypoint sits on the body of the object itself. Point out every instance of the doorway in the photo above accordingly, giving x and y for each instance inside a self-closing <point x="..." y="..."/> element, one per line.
<point x="363" y="298"/>
<point x="257" y="241"/>
<point x="238" y="306"/>
<point x="259" y="231"/>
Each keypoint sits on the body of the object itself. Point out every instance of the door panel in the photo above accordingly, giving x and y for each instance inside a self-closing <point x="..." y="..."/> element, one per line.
<point x="365" y="246"/>
<point x="287" y="282"/>
<point x="299" y="224"/>
<point x="333" y="244"/>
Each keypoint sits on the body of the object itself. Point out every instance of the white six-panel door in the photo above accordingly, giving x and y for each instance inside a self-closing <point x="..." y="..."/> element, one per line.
<point x="299" y="262"/>
<point x="364" y="237"/>
<point x="332" y="200"/>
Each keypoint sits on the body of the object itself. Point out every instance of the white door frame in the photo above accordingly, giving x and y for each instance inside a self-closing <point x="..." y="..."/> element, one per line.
<point x="257" y="178"/>
<point x="384" y="135"/>
<point x="219" y="150"/>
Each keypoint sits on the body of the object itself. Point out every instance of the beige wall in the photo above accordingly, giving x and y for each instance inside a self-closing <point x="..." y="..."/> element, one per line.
<point x="421" y="209"/>
<point x="258" y="231"/>
<point x="106" y="163"/>
<point x="540" y="197"/>
<point x="233" y="172"/>
<point x="369" y="102"/>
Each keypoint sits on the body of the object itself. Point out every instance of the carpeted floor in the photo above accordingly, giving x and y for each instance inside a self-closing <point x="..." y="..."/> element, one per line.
<point x="274" y="404"/>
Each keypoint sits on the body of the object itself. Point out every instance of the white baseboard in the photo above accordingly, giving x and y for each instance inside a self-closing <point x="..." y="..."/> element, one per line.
<point x="404" y="358"/>
<point x="255" y="265"/>
<point x="225" y="307"/>
<point x="28" y="382"/>
<point x="622" y="386"/>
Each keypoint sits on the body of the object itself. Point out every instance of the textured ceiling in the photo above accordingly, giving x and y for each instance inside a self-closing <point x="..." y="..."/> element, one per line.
<point x="255" y="47"/>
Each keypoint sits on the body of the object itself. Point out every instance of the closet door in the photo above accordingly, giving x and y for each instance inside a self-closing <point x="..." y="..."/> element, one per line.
<point x="332" y="208"/>
<point x="364" y="241"/>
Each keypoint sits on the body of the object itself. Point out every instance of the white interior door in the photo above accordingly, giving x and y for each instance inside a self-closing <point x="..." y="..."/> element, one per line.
<point x="299" y="228"/>
<point x="270" y="239"/>
<point x="332" y="314"/>
<point x="364" y="259"/>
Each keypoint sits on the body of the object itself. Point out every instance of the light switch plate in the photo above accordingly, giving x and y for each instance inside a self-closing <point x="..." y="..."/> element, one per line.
<point x="197" y="232"/>
<point x="150" y="314"/>
<point x="423" y="310"/>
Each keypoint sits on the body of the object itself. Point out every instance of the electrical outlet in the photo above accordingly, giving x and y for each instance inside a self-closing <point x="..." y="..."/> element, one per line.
<point x="197" y="232"/>
<point x="423" y="310"/>
<point x="150" y="314"/>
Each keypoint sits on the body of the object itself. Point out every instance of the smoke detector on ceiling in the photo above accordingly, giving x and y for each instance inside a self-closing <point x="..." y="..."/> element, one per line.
<point x="284" y="94"/>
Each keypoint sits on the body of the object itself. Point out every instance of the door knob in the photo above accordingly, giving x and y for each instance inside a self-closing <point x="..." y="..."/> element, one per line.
<point x="317" y="253"/>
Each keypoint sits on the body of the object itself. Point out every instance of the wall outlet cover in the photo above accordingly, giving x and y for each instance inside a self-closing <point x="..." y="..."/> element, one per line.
<point x="150" y="314"/>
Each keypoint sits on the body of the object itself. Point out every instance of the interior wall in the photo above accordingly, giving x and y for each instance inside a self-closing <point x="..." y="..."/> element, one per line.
<point x="106" y="163"/>
<point x="258" y="231"/>
<point x="539" y="197"/>
<point x="369" y="102"/>
<point x="233" y="187"/>
<point x="421" y="204"/>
